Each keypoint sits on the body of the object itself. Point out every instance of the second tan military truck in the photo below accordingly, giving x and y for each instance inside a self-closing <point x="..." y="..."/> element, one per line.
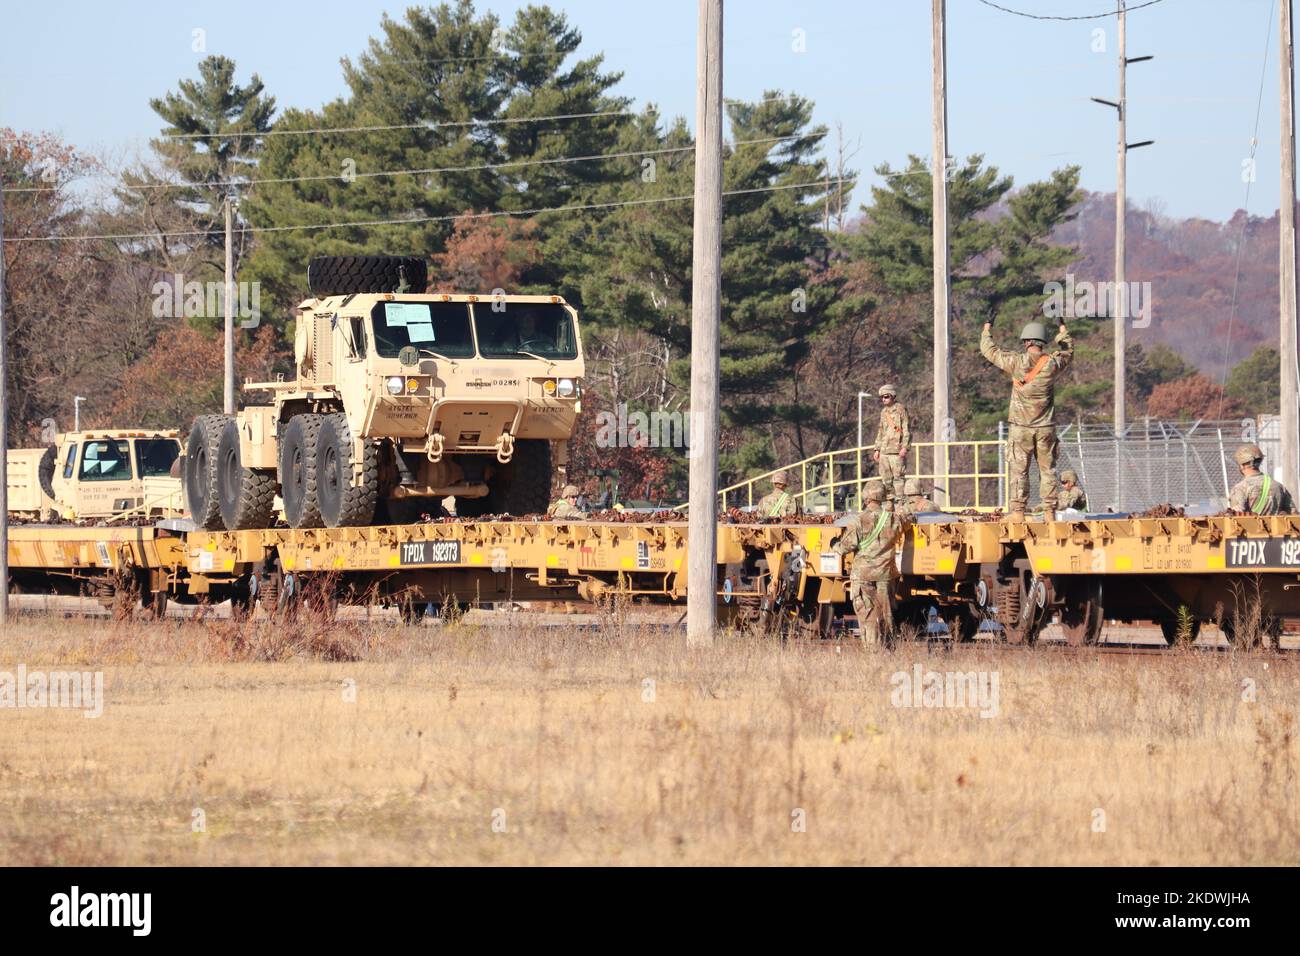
<point x="400" y="399"/>
<point x="100" y="474"/>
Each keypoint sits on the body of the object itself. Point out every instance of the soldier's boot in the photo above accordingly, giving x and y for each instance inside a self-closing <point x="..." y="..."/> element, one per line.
<point x="1049" y="514"/>
<point x="1017" y="513"/>
<point x="869" y="631"/>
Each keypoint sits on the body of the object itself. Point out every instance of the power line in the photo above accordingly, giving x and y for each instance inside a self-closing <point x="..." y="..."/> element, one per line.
<point x="432" y="125"/>
<point x="1245" y="219"/>
<point x="1090" y="16"/>
<point x="509" y="164"/>
<point x="581" y="207"/>
<point x="426" y="124"/>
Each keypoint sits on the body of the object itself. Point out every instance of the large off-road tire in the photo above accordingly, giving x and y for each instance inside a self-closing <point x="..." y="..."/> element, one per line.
<point x="202" y="455"/>
<point x="344" y="275"/>
<point x="299" y="483"/>
<point x="45" y="470"/>
<point x="342" y="503"/>
<point x="522" y="487"/>
<point x="247" y="496"/>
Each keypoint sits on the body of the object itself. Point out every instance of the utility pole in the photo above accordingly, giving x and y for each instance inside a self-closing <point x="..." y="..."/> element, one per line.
<point x="229" y="375"/>
<point x="939" y="200"/>
<point x="4" y="428"/>
<point x="706" y="306"/>
<point x="1290" y="418"/>
<point x="1119" y="302"/>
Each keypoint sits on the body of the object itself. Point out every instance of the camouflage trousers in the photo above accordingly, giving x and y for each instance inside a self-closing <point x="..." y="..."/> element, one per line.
<point x="1024" y="445"/>
<point x="870" y="598"/>
<point x="892" y="469"/>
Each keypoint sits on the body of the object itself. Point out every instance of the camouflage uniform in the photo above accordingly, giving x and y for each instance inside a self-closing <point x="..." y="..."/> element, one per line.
<point x="893" y="438"/>
<point x="1071" y="498"/>
<point x="914" y="502"/>
<point x="1261" y="495"/>
<point x="778" y="503"/>
<point x="1032" y="432"/>
<point x="913" y="507"/>
<point x="563" y="508"/>
<point x="871" y="539"/>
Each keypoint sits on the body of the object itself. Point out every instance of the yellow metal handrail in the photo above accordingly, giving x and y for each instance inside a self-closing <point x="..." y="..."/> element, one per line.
<point x="957" y="490"/>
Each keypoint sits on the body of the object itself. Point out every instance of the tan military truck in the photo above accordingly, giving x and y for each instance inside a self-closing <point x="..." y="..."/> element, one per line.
<point x="103" y="473"/>
<point x="401" y="398"/>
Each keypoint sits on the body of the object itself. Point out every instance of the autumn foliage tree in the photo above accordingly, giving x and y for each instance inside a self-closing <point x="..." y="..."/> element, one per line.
<point x="485" y="253"/>
<point x="1191" y="398"/>
<point x="180" y="377"/>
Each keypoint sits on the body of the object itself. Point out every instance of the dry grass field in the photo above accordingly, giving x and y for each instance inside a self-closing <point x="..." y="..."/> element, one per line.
<point x="373" y="743"/>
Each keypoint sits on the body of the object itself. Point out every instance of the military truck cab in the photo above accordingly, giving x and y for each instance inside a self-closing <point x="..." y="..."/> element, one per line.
<point x="97" y="474"/>
<point x="400" y="399"/>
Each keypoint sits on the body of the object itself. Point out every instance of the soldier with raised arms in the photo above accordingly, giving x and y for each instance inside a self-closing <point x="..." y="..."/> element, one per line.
<point x="1032" y="414"/>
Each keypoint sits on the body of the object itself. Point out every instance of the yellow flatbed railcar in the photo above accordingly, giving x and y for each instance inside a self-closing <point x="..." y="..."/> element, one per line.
<point x="1077" y="573"/>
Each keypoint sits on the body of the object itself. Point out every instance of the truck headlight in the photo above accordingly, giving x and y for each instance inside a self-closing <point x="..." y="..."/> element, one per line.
<point x="567" y="388"/>
<point x="395" y="385"/>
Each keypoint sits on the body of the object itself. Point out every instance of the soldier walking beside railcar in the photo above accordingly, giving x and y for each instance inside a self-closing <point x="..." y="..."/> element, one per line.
<point x="1258" y="493"/>
<point x="871" y="538"/>
<point x="1031" y="416"/>
<point x="893" y="437"/>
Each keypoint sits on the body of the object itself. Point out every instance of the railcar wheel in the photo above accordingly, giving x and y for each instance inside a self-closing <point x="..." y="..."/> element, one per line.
<point x="1083" y="615"/>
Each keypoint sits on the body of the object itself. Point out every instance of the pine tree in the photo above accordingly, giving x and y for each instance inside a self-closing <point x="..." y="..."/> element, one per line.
<point x="1001" y="258"/>
<point x="775" y="299"/>
<point x="212" y="139"/>
<point x="462" y="89"/>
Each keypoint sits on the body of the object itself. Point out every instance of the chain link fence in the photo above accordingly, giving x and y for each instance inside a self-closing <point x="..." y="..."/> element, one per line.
<point x="1156" y="462"/>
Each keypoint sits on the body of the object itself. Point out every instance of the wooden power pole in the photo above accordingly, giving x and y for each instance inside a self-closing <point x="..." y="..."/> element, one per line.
<point x="1290" y="418"/>
<point x="706" y="307"/>
<point x="229" y="372"/>
<point x="4" y="429"/>
<point x="939" y="199"/>
<point x="1119" y="301"/>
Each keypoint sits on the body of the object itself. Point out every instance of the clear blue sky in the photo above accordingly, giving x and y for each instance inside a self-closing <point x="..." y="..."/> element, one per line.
<point x="1018" y="88"/>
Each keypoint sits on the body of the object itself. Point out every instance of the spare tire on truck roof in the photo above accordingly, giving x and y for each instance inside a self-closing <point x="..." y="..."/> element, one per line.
<point x="348" y="275"/>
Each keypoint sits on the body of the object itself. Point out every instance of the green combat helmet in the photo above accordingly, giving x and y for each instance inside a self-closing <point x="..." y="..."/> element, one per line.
<point x="1034" y="332"/>
<point x="1070" y="476"/>
<point x="874" y="493"/>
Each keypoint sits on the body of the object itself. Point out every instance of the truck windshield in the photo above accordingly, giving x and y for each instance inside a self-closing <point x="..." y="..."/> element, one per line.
<point x="441" y="327"/>
<point x="154" y="456"/>
<point x="543" y="328"/>
<point x="107" y="460"/>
